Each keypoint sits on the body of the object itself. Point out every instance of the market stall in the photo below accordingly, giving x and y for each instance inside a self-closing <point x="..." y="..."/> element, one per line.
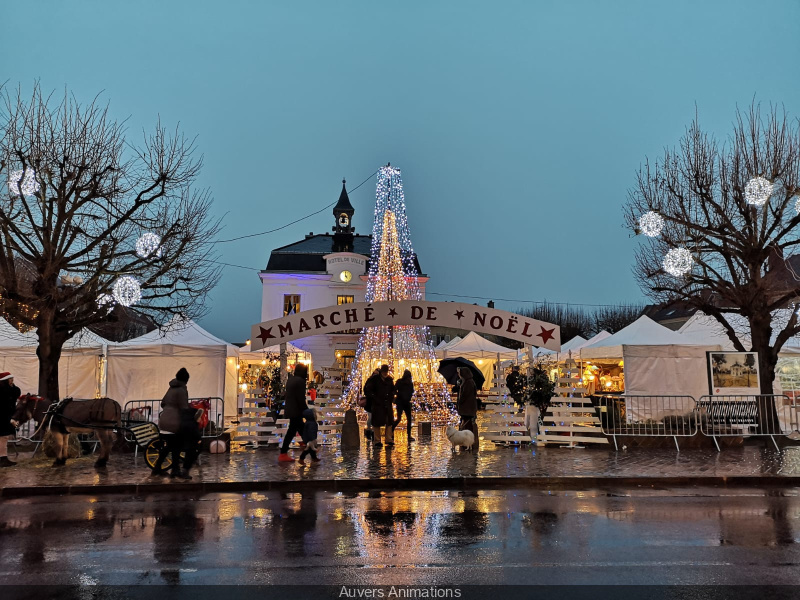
<point x="487" y="356"/>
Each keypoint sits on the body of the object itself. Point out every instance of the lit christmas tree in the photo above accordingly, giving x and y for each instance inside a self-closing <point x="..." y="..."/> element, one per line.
<point x="393" y="276"/>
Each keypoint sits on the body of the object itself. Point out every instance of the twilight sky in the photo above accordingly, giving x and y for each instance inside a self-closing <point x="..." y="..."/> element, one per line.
<point x="518" y="125"/>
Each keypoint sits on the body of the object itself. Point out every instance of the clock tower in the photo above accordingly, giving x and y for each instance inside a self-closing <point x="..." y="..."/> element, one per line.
<point x="343" y="228"/>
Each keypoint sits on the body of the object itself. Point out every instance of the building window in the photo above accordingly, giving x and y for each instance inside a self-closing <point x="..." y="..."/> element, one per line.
<point x="291" y="304"/>
<point x="344" y="300"/>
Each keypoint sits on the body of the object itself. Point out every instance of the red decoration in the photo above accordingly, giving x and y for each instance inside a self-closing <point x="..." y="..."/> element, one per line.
<point x="547" y="334"/>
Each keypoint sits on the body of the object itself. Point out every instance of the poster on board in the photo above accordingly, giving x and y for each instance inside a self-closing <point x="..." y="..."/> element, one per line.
<point x="733" y="373"/>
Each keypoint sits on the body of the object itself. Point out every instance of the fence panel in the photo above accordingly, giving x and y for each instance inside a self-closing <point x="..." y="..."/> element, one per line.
<point x="148" y="410"/>
<point x="647" y="416"/>
<point x="739" y="415"/>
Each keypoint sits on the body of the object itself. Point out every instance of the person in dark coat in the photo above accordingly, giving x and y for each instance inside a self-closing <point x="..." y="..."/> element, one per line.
<point x="9" y="393"/>
<point x="467" y="404"/>
<point x="310" y="431"/>
<point x="294" y="409"/>
<point x="370" y="389"/>
<point x="382" y="411"/>
<point x="404" y="389"/>
<point x="178" y="425"/>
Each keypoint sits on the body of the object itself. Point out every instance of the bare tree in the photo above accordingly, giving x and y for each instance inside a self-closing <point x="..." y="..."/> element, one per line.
<point x="736" y="227"/>
<point x="612" y="318"/>
<point x="79" y="196"/>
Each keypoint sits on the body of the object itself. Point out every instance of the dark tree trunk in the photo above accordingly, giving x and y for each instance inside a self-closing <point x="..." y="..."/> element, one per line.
<point x="51" y="343"/>
<point x="760" y="331"/>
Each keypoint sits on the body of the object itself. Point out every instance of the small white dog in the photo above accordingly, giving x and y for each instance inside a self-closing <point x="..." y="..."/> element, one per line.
<point x="460" y="438"/>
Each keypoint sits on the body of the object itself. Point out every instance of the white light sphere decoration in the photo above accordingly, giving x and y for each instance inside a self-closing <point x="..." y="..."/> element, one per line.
<point x="127" y="290"/>
<point x="148" y="244"/>
<point x="651" y="224"/>
<point x="757" y="191"/>
<point x="105" y="300"/>
<point x="678" y="262"/>
<point x="29" y="184"/>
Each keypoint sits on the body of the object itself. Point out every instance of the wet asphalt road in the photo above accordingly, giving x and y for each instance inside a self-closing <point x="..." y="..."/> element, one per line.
<point x="433" y="538"/>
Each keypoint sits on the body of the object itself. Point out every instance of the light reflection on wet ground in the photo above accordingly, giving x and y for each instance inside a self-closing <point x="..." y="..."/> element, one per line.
<point x="684" y="536"/>
<point x="426" y="459"/>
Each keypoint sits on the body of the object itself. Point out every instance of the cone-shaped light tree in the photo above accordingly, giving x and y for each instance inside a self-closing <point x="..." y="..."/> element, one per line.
<point x="393" y="276"/>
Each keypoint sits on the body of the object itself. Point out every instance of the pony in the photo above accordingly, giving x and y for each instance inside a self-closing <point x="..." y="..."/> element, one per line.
<point x="100" y="416"/>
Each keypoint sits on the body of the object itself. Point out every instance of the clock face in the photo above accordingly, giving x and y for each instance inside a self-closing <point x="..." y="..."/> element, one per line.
<point x="344" y="221"/>
<point x="345" y="276"/>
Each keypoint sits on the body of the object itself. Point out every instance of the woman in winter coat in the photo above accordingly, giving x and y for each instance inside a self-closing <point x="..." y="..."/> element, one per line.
<point x="467" y="404"/>
<point x="178" y="423"/>
<point x="294" y="409"/>
<point x="9" y="393"/>
<point x="382" y="411"/>
<point x="404" y="389"/>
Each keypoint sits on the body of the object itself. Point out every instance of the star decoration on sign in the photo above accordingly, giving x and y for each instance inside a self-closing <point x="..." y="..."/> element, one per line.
<point x="547" y="334"/>
<point x="459" y="314"/>
<point x="265" y="334"/>
<point x="392" y="312"/>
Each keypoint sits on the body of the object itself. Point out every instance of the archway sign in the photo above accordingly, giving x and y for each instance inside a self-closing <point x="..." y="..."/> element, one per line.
<point x="406" y="312"/>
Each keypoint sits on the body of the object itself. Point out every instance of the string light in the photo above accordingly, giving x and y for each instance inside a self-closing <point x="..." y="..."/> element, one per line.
<point x="29" y="184"/>
<point x="147" y="244"/>
<point x="106" y="300"/>
<point x="678" y="262"/>
<point x="651" y="224"/>
<point x="757" y="191"/>
<point x="394" y="276"/>
<point x="127" y="291"/>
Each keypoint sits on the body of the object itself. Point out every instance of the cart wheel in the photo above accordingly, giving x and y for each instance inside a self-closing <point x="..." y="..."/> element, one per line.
<point x="151" y="455"/>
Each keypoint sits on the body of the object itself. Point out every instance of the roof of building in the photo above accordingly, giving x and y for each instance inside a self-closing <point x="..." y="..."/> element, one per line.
<point x="308" y="255"/>
<point x="343" y="205"/>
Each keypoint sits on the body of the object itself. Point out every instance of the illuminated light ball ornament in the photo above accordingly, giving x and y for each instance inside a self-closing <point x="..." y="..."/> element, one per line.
<point x="797" y="204"/>
<point x="127" y="291"/>
<point x="757" y="191"/>
<point x="651" y="224"/>
<point x="29" y="184"/>
<point x="148" y="244"/>
<point x="678" y="262"/>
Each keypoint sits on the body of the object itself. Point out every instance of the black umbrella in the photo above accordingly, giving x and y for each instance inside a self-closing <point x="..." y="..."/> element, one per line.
<point x="449" y="370"/>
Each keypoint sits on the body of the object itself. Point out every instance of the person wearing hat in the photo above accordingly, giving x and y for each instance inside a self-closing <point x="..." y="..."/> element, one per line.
<point x="177" y="424"/>
<point x="9" y="393"/>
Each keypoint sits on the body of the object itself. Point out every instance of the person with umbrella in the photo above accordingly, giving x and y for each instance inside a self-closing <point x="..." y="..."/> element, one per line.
<point x="467" y="405"/>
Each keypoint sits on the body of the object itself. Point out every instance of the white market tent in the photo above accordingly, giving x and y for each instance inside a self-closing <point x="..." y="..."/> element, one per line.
<point x="442" y="345"/>
<point x="79" y="370"/>
<point x="703" y="328"/>
<point x="246" y="352"/>
<point x="141" y="368"/>
<point x="658" y="361"/>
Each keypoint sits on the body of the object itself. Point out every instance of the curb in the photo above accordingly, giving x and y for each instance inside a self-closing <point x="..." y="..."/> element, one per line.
<point x="429" y="484"/>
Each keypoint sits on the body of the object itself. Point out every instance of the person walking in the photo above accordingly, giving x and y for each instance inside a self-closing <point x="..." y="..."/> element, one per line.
<point x="404" y="389"/>
<point x="382" y="411"/>
<point x="9" y="393"/>
<point x="178" y="425"/>
<point x="294" y="409"/>
<point x="467" y="404"/>
<point x="310" y="431"/>
<point x="370" y="389"/>
<point x="515" y="385"/>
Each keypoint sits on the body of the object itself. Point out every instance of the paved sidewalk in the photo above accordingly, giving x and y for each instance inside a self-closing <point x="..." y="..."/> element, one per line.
<point x="421" y="465"/>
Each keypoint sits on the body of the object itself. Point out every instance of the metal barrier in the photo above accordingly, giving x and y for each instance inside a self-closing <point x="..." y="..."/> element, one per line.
<point x="765" y="415"/>
<point x="647" y="416"/>
<point x="148" y="410"/>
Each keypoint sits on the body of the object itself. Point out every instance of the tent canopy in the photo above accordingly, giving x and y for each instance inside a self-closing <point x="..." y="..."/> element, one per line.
<point x="245" y="350"/>
<point x="181" y="332"/>
<point x="474" y="346"/>
<point x="705" y="329"/>
<point x="642" y="332"/>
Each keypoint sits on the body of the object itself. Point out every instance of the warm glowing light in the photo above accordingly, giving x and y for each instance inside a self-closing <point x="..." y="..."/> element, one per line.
<point x="609" y="384"/>
<point x="678" y="262"/>
<point x="480" y="361"/>
<point x="263" y="362"/>
<point x="651" y="224"/>
<point x="757" y="191"/>
<point x="127" y="291"/>
<point x="148" y="244"/>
